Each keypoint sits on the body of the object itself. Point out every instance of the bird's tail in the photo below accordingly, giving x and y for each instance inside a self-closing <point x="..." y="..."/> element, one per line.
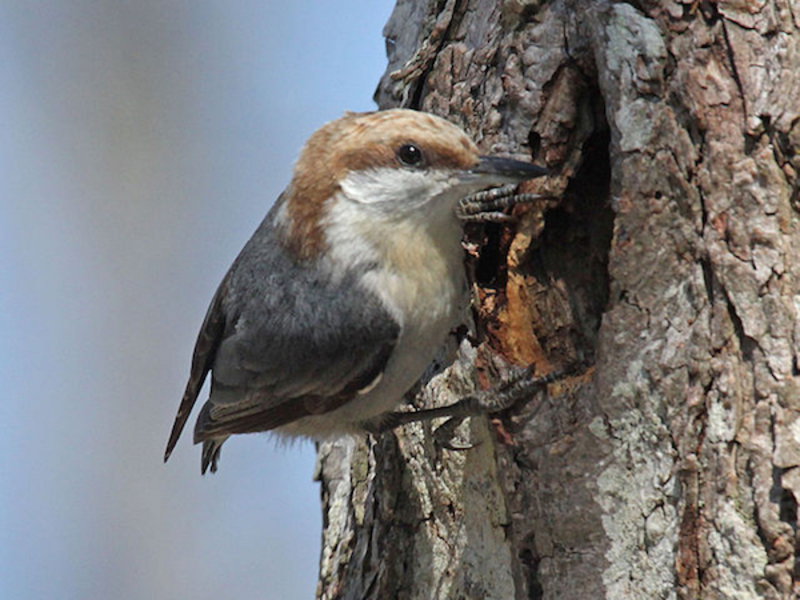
<point x="210" y="457"/>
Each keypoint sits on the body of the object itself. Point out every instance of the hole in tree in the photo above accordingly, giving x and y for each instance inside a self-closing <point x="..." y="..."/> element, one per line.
<point x="570" y="260"/>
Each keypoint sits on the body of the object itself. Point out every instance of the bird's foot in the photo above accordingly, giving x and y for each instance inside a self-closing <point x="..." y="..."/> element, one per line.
<point x="488" y="206"/>
<point x="519" y="387"/>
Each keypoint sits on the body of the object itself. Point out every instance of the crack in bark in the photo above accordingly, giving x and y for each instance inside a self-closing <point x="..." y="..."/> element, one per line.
<point x="734" y="70"/>
<point x="417" y="69"/>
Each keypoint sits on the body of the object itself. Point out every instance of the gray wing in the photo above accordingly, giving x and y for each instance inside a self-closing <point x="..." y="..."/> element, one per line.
<point x="205" y="349"/>
<point x="283" y="342"/>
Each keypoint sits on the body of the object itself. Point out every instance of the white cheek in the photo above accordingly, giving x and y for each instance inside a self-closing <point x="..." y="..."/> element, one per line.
<point x="345" y="225"/>
<point x="395" y="190"/>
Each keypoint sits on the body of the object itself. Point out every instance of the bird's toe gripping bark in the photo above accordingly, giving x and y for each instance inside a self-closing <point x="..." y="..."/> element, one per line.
<point x="519" y="387"/>
<point x="488" y="206"/>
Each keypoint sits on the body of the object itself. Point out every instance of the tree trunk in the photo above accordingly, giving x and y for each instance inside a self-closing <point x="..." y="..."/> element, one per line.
<point x="668" y="257"/>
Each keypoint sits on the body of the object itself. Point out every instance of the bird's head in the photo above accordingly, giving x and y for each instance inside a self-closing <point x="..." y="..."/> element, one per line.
<point x="387" y="167"/>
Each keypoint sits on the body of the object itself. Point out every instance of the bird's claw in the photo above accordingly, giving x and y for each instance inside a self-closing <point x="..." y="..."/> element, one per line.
<point x="445" y="436"/>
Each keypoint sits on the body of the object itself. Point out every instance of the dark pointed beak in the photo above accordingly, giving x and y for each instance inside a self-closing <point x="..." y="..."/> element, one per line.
<point x="495" y="170"/>
<point x="508" y="169"/>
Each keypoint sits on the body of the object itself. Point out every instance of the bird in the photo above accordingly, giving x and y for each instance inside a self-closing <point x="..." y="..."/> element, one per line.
<point x="347" y="289"/>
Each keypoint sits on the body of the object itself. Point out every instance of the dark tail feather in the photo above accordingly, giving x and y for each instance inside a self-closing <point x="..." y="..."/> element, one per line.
<point x="212" y="444"/>
<point x="211" y="450"/>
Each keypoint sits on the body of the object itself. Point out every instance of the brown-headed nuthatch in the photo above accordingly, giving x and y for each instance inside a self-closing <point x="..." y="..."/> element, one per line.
<point x="348" y="288"/>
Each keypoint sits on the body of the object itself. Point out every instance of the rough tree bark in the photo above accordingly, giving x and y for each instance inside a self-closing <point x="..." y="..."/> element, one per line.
<point x="669" y="257"/>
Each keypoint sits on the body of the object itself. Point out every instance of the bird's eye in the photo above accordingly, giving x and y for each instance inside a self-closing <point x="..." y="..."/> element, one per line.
<point x="410" y="155"/>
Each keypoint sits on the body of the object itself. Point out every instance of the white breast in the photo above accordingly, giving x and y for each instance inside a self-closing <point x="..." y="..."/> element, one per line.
<point x="420" y="279"/>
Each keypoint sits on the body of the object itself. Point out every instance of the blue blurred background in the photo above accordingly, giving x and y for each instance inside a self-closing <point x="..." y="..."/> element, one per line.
<point x="142" y="142"/>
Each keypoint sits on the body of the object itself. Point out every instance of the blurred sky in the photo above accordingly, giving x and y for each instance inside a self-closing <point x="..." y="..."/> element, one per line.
<point x="142" y="142"/>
